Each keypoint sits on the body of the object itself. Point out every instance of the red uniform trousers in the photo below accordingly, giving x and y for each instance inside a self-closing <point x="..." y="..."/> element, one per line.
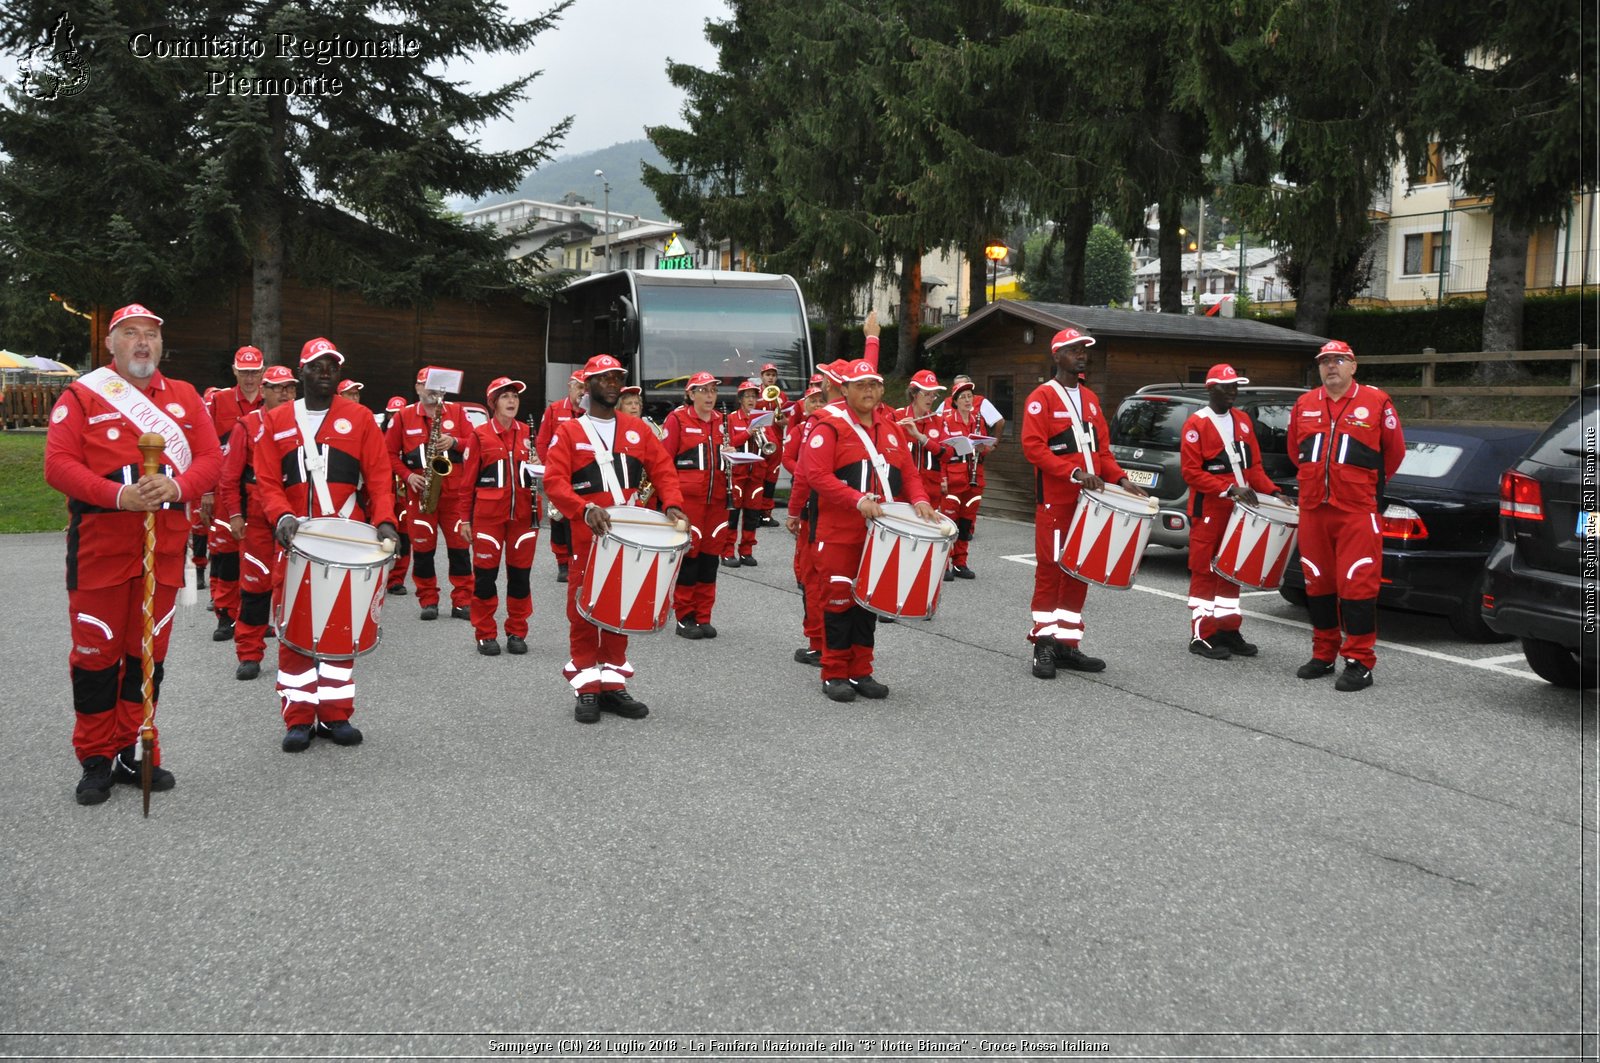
<point x="1057" y="596"/>
<point x="811" y="588"/>
<point x="1341" y="554"/>
<point x="695" y="593"/>
<point x="260" y="574"/>
<point x="961" y="502"/>
<point x="313" y="690"/>
<point x="1213" y="601"/>
<point x="517" y="541"/>
<point x="107" y="625"/>
<point x="599" y="657"/>
<point x="769" y="484"/>
<point x="402" y="550"/>
<point x="197" y="540"/>
<point x="849" y="631"/>
<point x="423" y="529"/>
<point x="223" y="550"/>
<point x="744" y="513"/>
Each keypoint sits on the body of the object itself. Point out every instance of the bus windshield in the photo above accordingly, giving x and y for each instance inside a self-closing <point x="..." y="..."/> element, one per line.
<point x="723" y="329"/>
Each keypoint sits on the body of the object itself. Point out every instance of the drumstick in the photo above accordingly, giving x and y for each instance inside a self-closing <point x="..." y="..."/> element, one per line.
<point x="386" y="545"/>
<point x="678" y="524"/>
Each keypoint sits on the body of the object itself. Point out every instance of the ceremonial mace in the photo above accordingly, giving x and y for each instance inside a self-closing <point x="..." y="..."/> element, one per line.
<point x="150" y="445"/>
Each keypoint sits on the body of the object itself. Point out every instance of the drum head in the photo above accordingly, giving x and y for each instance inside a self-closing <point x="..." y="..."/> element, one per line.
<point x="901" y="517"/>
<point x="328" y="540"/>
<point x="1273" y="510"/>
<point x="1124" y="502"/>
<point x="648" y="528"/>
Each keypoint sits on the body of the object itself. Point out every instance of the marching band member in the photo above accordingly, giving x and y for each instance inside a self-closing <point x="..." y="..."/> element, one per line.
<point x="557" y="414"/>
<point x="749" y="480"/>
<point x="504" y="517"/>
<point x="1221" y="462"/>
<point x="227" y="406"/>
<point x="409" y="454"/>
<point x="853" y="460"/>
<point x="1346" y="440"/>
<point x="767" y="499"/>
<point x="1064" y="435"/>
<point x="402" y="553"/>
<point x="92" y="456"/>
<point x="801" y="523"/>
<point x="351" y="389"/>
<point x="261" y="565"/>
<point x="695" y="434"/>
<point x="594" y="461"/>
<point x="925" y="431"/>
<point x="319" y="457"/>
<point x="994" y="421"/>
<point x="966" y="479"/>
<point x="200" y="525"/>
<point x="632" y="402"/>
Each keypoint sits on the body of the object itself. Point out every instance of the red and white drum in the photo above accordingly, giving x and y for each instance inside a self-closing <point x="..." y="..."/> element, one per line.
<point x="627" y="586"/>
<point x="902" y="563"/>
<point x="1107" y="536"/>
<point x="335" y="577"/>
<point x="1257" y="543"/>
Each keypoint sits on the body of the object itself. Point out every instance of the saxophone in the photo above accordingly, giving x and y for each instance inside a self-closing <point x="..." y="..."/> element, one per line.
<point x="438" y="465"/>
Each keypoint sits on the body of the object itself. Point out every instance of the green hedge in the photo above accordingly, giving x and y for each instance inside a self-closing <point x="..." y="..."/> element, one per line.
<point x="1549" y="323"/>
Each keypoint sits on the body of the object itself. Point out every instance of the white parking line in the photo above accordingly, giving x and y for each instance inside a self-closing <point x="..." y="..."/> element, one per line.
<point x="1487" y="664"/>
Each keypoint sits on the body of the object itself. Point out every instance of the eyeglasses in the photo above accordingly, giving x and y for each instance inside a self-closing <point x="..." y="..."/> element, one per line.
<point x="1337" y="359"/>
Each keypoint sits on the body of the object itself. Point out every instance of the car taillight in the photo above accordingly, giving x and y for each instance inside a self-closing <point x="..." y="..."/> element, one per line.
<point x="1402" y="522"/>
<point x="1520" y="497"/>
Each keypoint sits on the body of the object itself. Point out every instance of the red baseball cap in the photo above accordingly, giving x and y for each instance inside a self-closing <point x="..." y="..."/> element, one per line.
<point x="350" y="385"/>
<point x="1222" y="373"/>
<point x="750" y="385"/>
<point x="395" y="403"/>
<point x="501" y="382"/>
<point x="319" y="348"/>
<point x="1335" y="347"/>
<point x="132" y="310"/>
<point x="769" y="367"/>
<point x="924" y="380"/>
<point x="858" y="370"/>
<point x="810" y="391"/>
<point x="1068" y="336"/>
<point x="601" y="363"/>
<point x="633" y="389"/>
<point x="249" y="358"/>
<point x="278" y="374"/>
<point x="700" y="380"/>
<point x="422" y="374"/>
<point x="965" y="385"/>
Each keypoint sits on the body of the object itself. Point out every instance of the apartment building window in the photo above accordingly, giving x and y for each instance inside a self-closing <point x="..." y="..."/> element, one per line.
<point x="638" y="259"/>
<point x="1435" y="172"/>
<point x="1424" y="253"/>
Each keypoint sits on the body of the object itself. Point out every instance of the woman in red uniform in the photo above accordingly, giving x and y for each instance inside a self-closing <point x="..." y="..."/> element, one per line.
<point x="694" y="438"/>
<point x="965" y="475"/>
<point x="503" y="516"/>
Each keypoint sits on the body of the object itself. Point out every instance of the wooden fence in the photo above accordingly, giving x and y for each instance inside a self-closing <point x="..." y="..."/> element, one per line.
<point x="1579" y="359"/>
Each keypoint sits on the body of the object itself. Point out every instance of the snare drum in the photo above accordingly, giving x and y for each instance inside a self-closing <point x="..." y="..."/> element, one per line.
<point x="1107" y="536"/>
<point x="627" y="586"/>
<point x="1257" y="543"/>
<point x="902" y="563"/>
<point x="335" y="577"/>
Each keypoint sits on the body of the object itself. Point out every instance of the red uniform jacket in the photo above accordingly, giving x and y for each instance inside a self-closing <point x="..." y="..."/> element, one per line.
<point x="407" y="440"/>
<point x="1048" y="442"/>
<point x="91" y="451"/>
<point x="1205" y="462"/>
<point x="556" y="414"/>
<point x="838" y="471"/>
<point x="1343" y="449"/>
<point x="228" y="406"/>
<point x="930" y="456"/>
<point x="357" y="465"/>
<point x="503" y="485"/>
<point x="695" y="448"/>
<point x="235" y="497"/>
<point x="572" y="476"/>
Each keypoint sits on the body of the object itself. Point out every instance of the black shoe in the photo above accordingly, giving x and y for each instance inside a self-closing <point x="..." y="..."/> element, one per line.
<point x="399" y="590"/>
<point x="1044" y="659"/>
<point x="707" y="631"/>
<point x="730" y="562"/>
<point x="1354" y="677"/>
<point x="516" y="646"/>
<point x="767" y="522"/>
<point x="125" y="770"/>
<point x="297" y="739"/>
<point x="621" y="703"/>
<point x="869" y="687"/>
<point x="429" y="612"/>
<point x="811" y="657"/>
<point x="339" y="732"/>
<point x="95" y="786"/>
<point x="950" y="575"/>
<point x="1314" y="669"/>
<point x="561" y="577"/>
<point x="1235" y="643"/>
<point x="963" y="572"/>
<point x="460" y="612"/>
<point x="885" y="619"/>
<point x="1202" y="648"/>
<point x="199" y="579"/>
<point x="1076" y="660"/>
<point x="489" y="647"/>
<point x="247" y="670"/>
<point x="224" y="632"/>
<point x="838" y="690"/>
<point x="688" y="629"/>
<point x="748" y="561"/>
<point x="587" y="710"/>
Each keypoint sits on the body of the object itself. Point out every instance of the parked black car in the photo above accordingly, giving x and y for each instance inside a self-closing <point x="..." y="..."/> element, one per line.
<point x="1440" y="519"/>
<point x="1541" y="574"/>
<point x="1146" y="434"/>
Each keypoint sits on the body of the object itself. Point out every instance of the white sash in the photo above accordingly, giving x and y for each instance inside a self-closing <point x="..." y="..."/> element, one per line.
<point x="136" y="406"/>
<point x="1078" y="434"/>
<point x="602" y="457"/>
<point x="880" y="464"/>
<point x="1228" y="447"/>
<point x="315" y="461"/>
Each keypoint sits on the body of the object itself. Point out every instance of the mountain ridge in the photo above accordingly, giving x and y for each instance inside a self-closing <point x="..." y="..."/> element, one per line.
<point x="622" y="164"/>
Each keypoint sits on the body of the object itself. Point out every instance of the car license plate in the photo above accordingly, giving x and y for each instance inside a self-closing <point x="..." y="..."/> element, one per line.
<point x="1586" y="523"/>
<point x="1141" y="477"/>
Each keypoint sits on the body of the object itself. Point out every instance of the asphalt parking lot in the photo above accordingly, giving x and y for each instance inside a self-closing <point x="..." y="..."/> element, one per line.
<point x="1179" y="855"/>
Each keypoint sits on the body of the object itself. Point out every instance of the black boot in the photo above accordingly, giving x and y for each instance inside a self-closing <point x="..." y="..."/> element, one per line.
<point x="224" y="632"/>
<point x="1044" y="659"/>
<point x="95" y="786"/>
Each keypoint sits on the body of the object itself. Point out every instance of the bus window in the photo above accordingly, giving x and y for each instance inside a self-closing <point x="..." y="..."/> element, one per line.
<point x="725" y="330"/>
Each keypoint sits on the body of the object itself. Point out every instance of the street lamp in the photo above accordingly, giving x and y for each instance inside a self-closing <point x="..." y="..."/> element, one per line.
<point x="995" y="253"/>
<point x="602" y="175"/>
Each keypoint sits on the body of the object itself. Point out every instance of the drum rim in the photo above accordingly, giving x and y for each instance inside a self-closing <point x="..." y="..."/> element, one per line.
<point x="1271" y="504"/>
<point x="1149" y="504"/>
<point x="917" y="523"/>
<point x="351" y="566"/>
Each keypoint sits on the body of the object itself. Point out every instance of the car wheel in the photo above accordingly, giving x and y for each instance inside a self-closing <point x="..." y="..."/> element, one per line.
<point x="1556" y="664"/>
<point x="1293" y="595"/>
<point x="1467" y="623"/>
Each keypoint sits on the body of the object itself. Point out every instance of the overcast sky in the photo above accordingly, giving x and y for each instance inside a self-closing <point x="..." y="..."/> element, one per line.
<point x="605" y="64"/>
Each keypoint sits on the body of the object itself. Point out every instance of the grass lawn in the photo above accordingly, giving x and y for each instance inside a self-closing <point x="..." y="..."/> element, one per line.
<point x="27" y="504"/>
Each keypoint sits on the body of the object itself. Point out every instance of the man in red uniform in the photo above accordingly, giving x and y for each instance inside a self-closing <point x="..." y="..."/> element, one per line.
<point x="1065" y="437"/>
<point x="402" y="553"/>
<point x="801" y="523"/>
<point x="749" y="479"/>
<point x="320" y="457"/>
<point x="227" y="406"/>
<point x="1346" y="440"/>
<point x="557" y="414"/>
<point x="504" y="518"/>
<point x="853" y="460"/>
<point x="92" y="456"/>
<point x="596" y="461"/>
<point x="239" y="504"/>
<point x="1221" y="462"/>
<point x="767" y="499"/>
<point x="407" y="442"/>
<point x="693" y="439"/>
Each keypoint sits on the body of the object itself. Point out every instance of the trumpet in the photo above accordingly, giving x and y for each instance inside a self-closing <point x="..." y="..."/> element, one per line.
<point x="766" y="447"/>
